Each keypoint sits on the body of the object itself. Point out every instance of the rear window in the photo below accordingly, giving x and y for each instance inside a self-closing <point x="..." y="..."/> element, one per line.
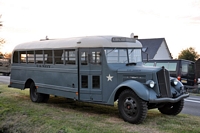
<point x="187" y="68"/>
<point x="191" y="68"/>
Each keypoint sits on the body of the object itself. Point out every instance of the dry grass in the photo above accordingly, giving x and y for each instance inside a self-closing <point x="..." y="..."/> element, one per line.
<point x="61" y="115"/>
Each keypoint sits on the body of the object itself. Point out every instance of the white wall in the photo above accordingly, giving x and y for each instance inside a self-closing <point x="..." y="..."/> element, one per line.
<point x="162" y="52"/>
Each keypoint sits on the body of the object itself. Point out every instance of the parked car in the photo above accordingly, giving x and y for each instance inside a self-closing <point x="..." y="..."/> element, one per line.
<point x="183" y="70"/>
<point x="198" y="81"/>
<point x="5" y="66"/>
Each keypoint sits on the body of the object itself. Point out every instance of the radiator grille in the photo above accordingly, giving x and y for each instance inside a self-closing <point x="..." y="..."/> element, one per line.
<point x="164" y="83"/>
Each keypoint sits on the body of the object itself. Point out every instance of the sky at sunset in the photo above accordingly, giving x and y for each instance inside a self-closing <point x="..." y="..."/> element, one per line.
<point x="178" y="21"/>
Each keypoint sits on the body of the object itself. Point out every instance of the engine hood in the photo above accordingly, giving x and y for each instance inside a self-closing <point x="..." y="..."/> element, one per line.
<point x="138" y="69"/>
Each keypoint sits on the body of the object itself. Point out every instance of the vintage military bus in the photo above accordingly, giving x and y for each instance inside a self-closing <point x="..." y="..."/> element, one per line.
<point x="96" y="69"/>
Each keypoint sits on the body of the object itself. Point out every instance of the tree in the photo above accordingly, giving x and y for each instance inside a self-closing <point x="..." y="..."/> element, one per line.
<point x="189" y="54"/>
<point x="2" y="41"/>
<point x="1" y="22"/>
<point x="7" y="55"/>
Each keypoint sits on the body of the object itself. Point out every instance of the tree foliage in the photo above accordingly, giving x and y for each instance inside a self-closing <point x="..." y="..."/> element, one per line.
<point x="1" y="24"/>
<point x="189" y="54"/>
<point x="2" y="41"/>
<point x="7" y="55"/>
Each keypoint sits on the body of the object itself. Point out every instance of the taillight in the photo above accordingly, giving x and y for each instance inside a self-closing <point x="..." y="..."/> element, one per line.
<point x="195" y="81"/>
<point x="179" y="78"/>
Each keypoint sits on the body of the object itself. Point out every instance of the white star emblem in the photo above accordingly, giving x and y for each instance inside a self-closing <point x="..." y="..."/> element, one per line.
<point x="109" y="77"/>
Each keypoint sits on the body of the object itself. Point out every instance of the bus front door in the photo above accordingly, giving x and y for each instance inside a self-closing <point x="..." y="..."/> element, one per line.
<point x="90" y="75"/>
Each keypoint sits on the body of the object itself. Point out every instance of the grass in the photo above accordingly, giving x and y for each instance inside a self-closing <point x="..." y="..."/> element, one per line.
<point x="60" y="115"/>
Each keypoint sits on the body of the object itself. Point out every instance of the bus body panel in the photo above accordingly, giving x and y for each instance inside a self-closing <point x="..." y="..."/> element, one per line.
<point x="140" y="89"/>
<point x="60" y="81"/>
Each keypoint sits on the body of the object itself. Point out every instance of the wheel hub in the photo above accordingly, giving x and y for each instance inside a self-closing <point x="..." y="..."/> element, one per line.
<point x="130" y="106"/>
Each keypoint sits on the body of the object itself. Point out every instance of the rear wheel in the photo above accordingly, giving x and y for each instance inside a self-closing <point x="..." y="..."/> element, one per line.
<point x="5" y="74"/>
<point x="131" y="108"/>
<point x="34" y="95"/>
<point x="172" y="108"/>
<point x="45" y="98"/>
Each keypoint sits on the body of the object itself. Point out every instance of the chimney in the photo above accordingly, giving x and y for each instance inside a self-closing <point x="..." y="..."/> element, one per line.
<point x="136" y="36"/>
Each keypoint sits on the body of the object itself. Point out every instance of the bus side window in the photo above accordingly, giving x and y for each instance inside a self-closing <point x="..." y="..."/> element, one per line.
<point x="30" y="57"/>
<point x="48" y="58"/>
<point x="96" y="58"/>
<point x="15" y="57"/>
<point x="96" y="82"/>
<point x="39" y="56"/>
<point x="84" y="81"/>
<point x="70" y="57"/>
<point x="58" y="56"/>
<point x="84" y="58"/>
<point x="22" y="56"/>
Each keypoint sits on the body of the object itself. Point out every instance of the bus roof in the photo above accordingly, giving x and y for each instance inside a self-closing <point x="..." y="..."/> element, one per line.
<point x="81" y="42"/>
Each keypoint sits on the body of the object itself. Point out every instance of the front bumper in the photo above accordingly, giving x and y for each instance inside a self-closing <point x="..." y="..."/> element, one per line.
<point x="170" y="100"/>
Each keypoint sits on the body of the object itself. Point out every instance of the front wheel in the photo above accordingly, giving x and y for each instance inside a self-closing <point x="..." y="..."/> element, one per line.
<point x="34" y="95"/>
<point x="172" y="108"/>
<point x="131" y="108"/>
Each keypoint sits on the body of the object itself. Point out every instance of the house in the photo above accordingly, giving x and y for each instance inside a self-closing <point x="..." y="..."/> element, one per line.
<point x="155" y="48"/>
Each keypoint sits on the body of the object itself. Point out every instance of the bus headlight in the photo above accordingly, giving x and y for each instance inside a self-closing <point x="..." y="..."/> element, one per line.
<point x="174" y="82"/>
<point x="150" y="83"/>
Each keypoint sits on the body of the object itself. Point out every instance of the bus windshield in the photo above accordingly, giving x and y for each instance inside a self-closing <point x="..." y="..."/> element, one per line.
<point x="123" y="55"/>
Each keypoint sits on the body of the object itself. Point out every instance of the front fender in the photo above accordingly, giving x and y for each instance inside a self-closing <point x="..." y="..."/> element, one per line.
<point x="140" y="89"/>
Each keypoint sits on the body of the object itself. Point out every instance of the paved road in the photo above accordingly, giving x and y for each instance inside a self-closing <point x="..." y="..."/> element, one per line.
<point x="192" y="103"/>
<point x="5" y="79"/>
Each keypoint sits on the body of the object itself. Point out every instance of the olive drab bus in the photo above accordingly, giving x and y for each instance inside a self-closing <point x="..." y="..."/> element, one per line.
<point x="96" y="69"/>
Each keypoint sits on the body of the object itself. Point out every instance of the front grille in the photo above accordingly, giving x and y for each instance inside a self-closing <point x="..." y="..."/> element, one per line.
<point x="164" y="83"/>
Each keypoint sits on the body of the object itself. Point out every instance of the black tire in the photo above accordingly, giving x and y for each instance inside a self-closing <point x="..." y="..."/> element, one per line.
<point x="4" y="74"/>
<point x="172" y="108"/>
<point x="45" y="98"/>
<point x="131" y="108"/>
<point x="34" y="96"/>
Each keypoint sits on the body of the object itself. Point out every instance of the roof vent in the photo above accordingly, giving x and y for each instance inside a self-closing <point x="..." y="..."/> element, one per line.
<point x="132" y="35"/>
<point x="46" y="38"/>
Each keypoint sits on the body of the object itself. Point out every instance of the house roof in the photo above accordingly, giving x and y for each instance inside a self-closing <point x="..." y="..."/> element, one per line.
<point x="151" y="46"/>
